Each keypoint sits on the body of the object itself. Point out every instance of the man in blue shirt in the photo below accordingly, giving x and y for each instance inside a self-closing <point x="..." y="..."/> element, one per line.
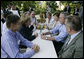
<point x="9" y="40"/>
<point x="60" y="38"/>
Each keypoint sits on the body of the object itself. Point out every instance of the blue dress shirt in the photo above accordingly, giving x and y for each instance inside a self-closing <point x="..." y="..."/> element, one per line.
<point x="10" y="48"/>
<point x="62" y="32"/>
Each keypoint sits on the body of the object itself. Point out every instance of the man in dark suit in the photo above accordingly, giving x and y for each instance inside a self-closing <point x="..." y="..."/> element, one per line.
<point x="76" y="10"/>
<point x="73" y="47"/>
<point x="67" y="9"/>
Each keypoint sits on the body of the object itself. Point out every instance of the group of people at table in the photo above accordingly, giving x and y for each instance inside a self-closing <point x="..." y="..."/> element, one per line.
<point x="66" y="32"/>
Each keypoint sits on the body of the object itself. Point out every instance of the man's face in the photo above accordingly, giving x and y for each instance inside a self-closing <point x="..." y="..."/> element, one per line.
<point x="61" y="18"/>
<point x="28" y="23"/>
<point x="33" y="15"/>
<point x="55" y="17"/>
<point x="68" y="29"/>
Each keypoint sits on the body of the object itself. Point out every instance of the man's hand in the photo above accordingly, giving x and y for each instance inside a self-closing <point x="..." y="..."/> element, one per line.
<point x="36" y="48"/>
<point x="47" y="38"/>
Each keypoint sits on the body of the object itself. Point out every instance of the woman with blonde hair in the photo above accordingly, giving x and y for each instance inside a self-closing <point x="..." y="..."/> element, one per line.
<point x="25" y="30"/>
<point x="42" y="20"/>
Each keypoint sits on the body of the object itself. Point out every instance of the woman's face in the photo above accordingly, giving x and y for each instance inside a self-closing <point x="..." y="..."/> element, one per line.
<point x="28" y="23"/>
<point x="55" y="17"/>
<point x="48" y="16"/>
<point x="61" y="18"/>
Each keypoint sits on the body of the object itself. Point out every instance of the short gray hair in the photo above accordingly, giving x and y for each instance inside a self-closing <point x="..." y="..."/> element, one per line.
<point x="74" y="22"/>
<point x="65" y="14"/>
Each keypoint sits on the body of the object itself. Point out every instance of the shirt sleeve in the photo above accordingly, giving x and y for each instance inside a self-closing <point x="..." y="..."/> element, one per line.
<point x="25" y="55"/>
<point x="25" y="41"/>
<point x="56" y="29"/>
<point x="12" y="50"/>
<point x="61" y="36"/>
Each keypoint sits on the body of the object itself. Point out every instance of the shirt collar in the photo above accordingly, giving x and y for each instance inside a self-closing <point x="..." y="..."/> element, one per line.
<point x="72" y="36"/>
<point x="11" y="32"/>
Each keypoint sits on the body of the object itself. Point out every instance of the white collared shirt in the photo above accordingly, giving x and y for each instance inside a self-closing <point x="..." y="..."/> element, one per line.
<point x="73" y="36"/>
<point x="1" y="26"/>
<point x="50" y="24"/>
<point x="4" y="28"/>
<point x="15" y="12"/>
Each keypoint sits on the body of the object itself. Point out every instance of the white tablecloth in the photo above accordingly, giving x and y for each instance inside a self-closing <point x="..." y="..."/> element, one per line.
<point x="47" y="49"/>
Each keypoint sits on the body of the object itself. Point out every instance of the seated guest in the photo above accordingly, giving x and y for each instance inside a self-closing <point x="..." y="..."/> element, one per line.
<point x="73" y="47"/>
<point x="49" y="21"/>
<point x="59" y="39"/>
<point x="9" y="40"/>
<point x="42" y="20"/>
<point x="27" y="31"/>
<point x="56" y="18"/>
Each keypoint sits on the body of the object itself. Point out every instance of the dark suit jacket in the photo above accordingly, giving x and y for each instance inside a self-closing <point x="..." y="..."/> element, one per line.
<point x="76" y="11"/>
<point x="26" y="32"/>
<point x="69" y="9"/>
<point x="74" y="49"/>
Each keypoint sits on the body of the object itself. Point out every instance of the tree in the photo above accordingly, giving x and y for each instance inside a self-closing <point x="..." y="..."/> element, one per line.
<point x="53" y="5"/>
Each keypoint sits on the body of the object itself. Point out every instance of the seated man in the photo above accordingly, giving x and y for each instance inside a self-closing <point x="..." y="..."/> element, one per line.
<point x="73" y="47"/>
<point x="60" y="38"/>
<point x="9" y="40"/>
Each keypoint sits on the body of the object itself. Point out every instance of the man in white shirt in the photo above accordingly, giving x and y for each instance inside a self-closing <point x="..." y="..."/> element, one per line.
<point x="14" y="11"/>
<point x="33" y="20"/>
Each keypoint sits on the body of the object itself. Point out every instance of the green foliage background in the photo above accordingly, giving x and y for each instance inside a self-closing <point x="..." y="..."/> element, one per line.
<point x="38" y="8"/>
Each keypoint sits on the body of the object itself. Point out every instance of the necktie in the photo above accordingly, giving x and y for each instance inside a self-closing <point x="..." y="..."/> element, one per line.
<point x="66" y="43"/>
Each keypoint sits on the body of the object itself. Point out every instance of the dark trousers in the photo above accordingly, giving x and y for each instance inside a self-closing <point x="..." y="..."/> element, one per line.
<point x="58" y="46"/>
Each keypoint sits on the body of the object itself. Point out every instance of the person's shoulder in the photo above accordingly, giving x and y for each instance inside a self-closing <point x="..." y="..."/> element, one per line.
<point x="79" y="40"/>
<point x="4" y="24"/>
<point x="5" y="37"/>
<point x="58" y="25"/>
